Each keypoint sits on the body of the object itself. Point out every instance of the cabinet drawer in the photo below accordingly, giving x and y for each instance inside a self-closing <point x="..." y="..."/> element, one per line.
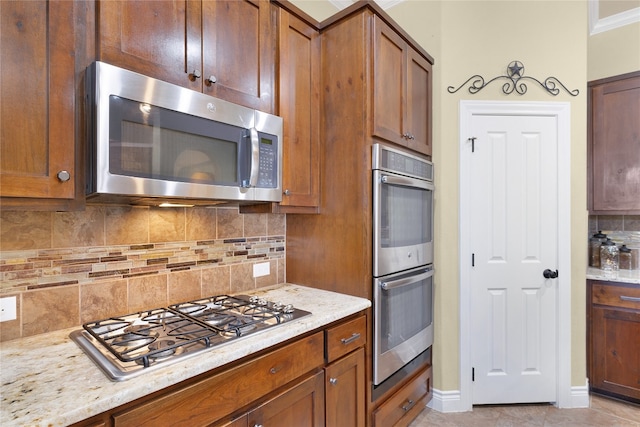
<point x="616" y="296"/>
<point x="346" y="337"/>
<point x="401" y="408"/>
<point x="213" y="398"/>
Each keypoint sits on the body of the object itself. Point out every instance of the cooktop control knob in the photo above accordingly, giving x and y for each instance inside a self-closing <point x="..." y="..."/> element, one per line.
<point x="287" y="309"/>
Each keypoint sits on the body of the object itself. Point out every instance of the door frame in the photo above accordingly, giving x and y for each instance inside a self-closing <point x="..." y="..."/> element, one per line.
<point x="562" y="111"/>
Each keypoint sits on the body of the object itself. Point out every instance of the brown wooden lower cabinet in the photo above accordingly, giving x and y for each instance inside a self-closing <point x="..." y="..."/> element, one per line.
<point x="613" y="313"/>
<point x="293" y="385"/>
<point x="301" y="405"/>
<point x="345" y="391"/>
<point x="403" y="406"/>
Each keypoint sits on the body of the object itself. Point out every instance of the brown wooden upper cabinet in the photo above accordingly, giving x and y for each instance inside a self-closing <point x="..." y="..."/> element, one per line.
<point x="614" y="145"/>
<point x="299" y="107"/>
<point x="299" y="100"/>
<point x="223" y="48"/>
<point x="38" y="110"/>
<point x="401" y="91"/>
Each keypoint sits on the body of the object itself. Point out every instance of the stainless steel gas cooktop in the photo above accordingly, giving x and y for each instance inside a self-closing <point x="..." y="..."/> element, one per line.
<point x="127" y="346"/>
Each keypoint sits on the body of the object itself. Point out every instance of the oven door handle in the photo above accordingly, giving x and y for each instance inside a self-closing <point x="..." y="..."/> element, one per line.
<point x="398" y="283"/>
<point x="405" y="181"/>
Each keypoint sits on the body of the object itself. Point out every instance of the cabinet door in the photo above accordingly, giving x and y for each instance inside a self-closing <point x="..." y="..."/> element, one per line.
<point x="615" y="146"/>
<point x="614" y="328"/>
<point x="345" y="391"/>
<point x="37" y="113"/>
<point x="160" y="39"/>
<point x="300" y="406"/>
<point x="419" y="98"/>
<point x="389" y="84"/>
<point x="300" y="109"/>
<point x="238" y="48"/>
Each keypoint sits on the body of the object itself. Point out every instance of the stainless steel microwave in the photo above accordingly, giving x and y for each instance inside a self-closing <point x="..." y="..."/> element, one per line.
<point x="150" y="141"/>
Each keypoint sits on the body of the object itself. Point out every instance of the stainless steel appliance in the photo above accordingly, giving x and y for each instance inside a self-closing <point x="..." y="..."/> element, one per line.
<point x="151" y="141"/>
<point x="127" y="346"/>
<point x="402" y="210"/>
<point x="403" y="288"/>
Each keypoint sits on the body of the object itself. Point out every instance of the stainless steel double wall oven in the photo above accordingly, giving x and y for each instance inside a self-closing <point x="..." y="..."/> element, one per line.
<point x="403" y="261"/>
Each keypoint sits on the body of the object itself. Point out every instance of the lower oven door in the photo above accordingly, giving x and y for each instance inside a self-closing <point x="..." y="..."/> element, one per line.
<point x="403" y="319"/>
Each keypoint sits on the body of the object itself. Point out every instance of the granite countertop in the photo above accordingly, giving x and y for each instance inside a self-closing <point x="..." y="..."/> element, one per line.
<point x="621" y="276"/>
<point x="48" y="381"/>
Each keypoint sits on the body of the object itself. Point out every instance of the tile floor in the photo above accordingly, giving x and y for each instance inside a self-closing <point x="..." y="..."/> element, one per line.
<point x="603" y="412"/>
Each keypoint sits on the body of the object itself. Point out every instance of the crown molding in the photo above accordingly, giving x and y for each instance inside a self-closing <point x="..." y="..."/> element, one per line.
<point x="597" y="25"/>
<point x="384" y="4"/>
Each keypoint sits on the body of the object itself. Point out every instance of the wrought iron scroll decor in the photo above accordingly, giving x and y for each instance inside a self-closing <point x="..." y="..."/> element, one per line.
<point x="515" y="76"/>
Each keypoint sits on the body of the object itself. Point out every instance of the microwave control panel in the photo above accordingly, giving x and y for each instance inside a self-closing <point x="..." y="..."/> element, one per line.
<point x="268" y="167"/>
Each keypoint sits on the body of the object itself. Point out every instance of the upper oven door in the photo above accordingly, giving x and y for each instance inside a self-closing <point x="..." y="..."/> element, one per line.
<point x="402" y="221"/>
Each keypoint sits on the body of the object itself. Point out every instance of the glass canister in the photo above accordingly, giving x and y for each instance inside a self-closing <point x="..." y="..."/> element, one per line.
<point x="635" y="257"/>
<point x="609" y="256"/>
<point x="625" y="257"/>
<point x="594" y="248"/>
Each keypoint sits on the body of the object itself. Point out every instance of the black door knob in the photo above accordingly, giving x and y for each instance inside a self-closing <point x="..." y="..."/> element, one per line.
<point x="550" y="274"/>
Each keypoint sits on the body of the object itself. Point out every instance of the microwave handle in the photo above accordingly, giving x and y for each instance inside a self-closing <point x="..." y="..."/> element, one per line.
<point x="391" y="284"/>
<point x="255" y="158"/>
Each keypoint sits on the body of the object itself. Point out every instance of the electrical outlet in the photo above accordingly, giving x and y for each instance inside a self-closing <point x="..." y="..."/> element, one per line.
<point x="261" y="269"/>
<point x="8" y="309"/>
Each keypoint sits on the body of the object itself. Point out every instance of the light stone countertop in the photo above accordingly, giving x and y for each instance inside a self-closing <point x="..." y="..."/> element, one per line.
<point x="48" y="381"/>
<point x="621" y="276"/>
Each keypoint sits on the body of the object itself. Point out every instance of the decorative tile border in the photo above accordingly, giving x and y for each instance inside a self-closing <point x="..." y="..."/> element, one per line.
<point x="46" y="268"/>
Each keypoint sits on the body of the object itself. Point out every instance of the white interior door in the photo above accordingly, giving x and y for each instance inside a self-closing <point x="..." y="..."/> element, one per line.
<point x="514" y="239"/>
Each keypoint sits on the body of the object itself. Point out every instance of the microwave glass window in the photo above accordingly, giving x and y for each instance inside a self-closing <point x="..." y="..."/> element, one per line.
<point x="152" y="142"/>
<point x="397" y="327"/>
<point x="405" y="216"/>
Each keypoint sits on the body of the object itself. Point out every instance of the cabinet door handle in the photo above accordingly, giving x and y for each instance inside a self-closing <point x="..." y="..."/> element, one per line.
<point x="333" y="381"/>
<point x="632" y="299"/>
<point x="351" y="339"/>
<point x="409" y="405"/>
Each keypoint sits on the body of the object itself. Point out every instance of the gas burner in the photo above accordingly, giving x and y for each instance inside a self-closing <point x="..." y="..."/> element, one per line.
<point x="216" y="318"/>
<point x="240" y="325"/>
<point x="163" y="348"/>
<point x="135" y="336"/>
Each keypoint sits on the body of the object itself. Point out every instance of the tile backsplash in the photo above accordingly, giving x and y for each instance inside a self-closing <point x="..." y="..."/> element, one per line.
<point x="68" y="268"/>
<point x="622" y="229"/>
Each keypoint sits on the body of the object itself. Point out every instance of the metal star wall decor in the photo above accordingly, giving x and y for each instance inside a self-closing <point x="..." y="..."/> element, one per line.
<point x="515" y="75"/>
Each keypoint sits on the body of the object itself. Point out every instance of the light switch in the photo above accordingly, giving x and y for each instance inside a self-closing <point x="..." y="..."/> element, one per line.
<point x="8" y="309"/>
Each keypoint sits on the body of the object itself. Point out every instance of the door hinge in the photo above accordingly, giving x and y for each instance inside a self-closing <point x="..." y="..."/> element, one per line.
<point x="473" y="260"/>
<point x="473" y="374"/>
<point x="473" y="143"/>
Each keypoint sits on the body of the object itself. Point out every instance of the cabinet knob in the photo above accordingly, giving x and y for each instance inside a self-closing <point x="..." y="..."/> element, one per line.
<point x="287" y="192"/>
<point x="195" y="74"/>
<point x="333" y="381"/>
<point x="210" y="80"/>
<point x="64" y="176"/>
<point x="257" y="425"/>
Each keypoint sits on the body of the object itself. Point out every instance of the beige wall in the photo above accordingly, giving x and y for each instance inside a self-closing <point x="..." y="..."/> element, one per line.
<point x="482" y="37"/>
<point x="614" y="52"/>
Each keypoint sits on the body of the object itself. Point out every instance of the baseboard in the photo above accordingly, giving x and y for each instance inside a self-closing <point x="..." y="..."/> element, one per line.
<point x="446" y="401"/>
<point x="451" y="400"/>
<point x="580" y="396"/>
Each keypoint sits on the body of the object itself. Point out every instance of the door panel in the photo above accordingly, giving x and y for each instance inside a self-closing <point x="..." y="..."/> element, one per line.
<point x="514" y="195"/>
